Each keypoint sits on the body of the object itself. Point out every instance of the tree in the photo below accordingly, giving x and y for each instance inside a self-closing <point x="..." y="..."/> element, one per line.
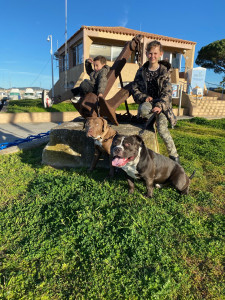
<point x="212" y="56"/>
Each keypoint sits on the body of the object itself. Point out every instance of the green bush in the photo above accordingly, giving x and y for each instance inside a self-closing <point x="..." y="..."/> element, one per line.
<point x="66" y="234"/>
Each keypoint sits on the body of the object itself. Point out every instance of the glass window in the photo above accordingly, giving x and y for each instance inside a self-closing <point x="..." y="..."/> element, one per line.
<point x="109" y="52"/>
<point x="176" y="61"/>
<point x="115" y="52"/>
<point x="78" y="54"/>
<point x="167" y="56"/>
<point x="65" y="62"/>
<point x="103" y="50"/>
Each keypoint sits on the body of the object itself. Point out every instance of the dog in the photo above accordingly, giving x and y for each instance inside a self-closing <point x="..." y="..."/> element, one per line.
<point x="98" y="129"/>
<point x="131" y="154"/>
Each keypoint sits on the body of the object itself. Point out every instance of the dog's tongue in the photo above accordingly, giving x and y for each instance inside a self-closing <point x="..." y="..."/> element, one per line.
<point x="119" y="162"/>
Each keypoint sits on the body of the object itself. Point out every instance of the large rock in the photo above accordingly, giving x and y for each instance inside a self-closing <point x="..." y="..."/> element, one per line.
<point x="69" y="147"/>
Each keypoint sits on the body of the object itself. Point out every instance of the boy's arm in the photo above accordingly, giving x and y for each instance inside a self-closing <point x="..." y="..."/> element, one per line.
<point x="139" y="97"/>
<point x="102" y="80"/>
<point x="88" y="66"/>
<point x="165" y="101"/>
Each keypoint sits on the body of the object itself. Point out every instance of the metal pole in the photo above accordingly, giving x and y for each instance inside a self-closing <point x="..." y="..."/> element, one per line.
<point x="52" y="69"/>
<point x="180" y="99"/>
<point x="65" y="44"/>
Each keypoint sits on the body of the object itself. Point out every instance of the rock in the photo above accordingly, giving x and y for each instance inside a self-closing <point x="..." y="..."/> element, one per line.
<point x="69" y="147"/>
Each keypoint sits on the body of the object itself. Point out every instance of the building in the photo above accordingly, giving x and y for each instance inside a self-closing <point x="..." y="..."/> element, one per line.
<point x="90" y="41"/>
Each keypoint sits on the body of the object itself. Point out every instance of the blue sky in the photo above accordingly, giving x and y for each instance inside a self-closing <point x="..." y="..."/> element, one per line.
<point x="26" y="24"/>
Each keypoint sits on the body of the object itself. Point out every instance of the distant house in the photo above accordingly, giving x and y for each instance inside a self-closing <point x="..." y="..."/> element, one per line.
<point x="90" y="41"/>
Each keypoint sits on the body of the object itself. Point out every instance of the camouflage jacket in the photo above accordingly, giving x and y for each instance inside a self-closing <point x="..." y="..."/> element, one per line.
<point x="97" y="78"/>
<point x="139" y="89"/>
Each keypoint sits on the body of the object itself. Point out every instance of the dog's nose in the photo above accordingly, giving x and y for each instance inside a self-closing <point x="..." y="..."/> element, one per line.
<point x="117" y="150"/>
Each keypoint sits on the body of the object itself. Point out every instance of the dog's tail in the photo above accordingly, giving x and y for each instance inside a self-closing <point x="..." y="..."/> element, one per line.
<point x="192" y="175"/>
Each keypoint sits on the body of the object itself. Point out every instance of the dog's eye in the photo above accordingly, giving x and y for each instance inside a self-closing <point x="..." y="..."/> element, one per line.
<point x="127" y="144"/>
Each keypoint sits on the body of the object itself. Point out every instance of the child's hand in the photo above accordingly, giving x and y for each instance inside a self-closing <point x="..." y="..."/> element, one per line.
<point x="148" y="99"/>
<point x="157" y="110"/>
<point x="100" y="95"/>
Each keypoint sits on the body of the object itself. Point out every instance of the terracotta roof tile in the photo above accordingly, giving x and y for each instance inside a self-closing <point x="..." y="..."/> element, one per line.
<point x="127" y="31"/>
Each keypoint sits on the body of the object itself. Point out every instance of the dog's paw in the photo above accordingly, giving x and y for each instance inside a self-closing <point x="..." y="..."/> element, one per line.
<point x="158" y="185"/>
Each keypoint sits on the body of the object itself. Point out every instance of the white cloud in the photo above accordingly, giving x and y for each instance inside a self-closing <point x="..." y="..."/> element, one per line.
<point x="124" y="20"/>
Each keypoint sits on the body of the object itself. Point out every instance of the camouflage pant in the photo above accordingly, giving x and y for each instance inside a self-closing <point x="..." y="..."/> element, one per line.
<point x="144" y="111"/>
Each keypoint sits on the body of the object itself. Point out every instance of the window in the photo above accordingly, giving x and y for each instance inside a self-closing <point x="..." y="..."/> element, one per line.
<point x="166" y="56"/>
<point x="109" y="52"/>
<point x="103" y="50"/>
<point x="65" y="62"/>
<point x="115" y="52"/>
<point x="173" y="58"/>
<point x="78" y="54"/>
<point x="176" y="61"/>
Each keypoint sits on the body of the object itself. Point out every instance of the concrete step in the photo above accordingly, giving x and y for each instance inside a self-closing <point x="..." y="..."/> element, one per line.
<point x="203" y="99"/>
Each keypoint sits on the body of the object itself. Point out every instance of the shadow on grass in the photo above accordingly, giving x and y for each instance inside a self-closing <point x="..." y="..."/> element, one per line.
<point x="33" y="156"/>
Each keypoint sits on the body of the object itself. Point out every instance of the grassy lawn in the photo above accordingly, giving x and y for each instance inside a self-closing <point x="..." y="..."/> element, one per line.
<point x="15" y="106"/>
<point x="35" y="105"/>
<point x="67" y="234"/>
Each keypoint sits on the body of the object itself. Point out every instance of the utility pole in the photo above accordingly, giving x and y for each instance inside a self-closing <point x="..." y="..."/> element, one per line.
<point x="49" y="38"/>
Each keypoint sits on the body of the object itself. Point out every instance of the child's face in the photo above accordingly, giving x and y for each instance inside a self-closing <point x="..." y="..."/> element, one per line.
<point x="98" y="65"/>
<point x="154" y="54"/>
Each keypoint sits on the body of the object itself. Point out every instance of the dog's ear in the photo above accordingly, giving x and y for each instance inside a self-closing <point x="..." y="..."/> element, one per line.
<point x="139" y="139"/>
<point x="85" y="121"/>
<point x="105" y="124"/>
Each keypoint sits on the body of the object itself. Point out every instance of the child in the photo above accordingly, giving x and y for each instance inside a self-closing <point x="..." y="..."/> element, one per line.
<point x="96" y="84"/>
<point x="98" y="77"/>
<point x="152" y="89"/>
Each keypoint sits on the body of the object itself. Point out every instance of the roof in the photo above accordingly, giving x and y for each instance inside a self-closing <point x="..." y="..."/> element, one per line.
<point x="128" y="31"/>
<point x="131" y="32"/>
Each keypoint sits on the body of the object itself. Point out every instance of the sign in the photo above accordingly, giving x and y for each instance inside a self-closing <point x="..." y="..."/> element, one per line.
<point x="175" y="92"/>
<point x="196" y="81"/>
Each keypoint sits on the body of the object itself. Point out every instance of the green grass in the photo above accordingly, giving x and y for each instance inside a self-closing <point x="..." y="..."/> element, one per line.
<point x="37" y="106"/>
<point x="67" y="234"/>
<point x="15" y="106"/>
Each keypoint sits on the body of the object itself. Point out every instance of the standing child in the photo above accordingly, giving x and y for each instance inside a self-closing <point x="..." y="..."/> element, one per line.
<point x="152" y="89"/>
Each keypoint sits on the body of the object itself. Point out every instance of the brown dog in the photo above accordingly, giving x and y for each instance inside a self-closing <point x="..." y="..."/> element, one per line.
<point x="98" y="129"/>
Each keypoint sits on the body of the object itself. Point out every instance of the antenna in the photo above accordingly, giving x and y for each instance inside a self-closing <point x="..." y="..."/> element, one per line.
<point x="65" y="44"/>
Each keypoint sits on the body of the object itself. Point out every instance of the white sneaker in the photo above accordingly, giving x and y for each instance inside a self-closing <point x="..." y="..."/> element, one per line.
<point x="46" y="100"/>
<point x="75" y="99"/>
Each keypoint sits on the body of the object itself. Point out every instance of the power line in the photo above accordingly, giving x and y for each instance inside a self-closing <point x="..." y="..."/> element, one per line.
<point x="40" y="72"/>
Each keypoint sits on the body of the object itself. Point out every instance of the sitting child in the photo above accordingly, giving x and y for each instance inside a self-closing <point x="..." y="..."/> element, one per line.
<point x="96" y="84"/>
<point x="98" y="77"/>
<point x="152" y="89"/>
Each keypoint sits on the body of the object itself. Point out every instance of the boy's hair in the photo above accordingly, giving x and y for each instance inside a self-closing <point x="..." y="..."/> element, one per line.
<point x="154" y="44"/>
<point x="102" y="59"/>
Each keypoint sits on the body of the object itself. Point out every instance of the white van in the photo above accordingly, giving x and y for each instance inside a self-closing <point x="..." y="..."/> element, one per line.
<point x="14" y="94"/>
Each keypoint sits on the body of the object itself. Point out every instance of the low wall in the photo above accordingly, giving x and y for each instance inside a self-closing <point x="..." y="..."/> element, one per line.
<point x="45" y="117"/>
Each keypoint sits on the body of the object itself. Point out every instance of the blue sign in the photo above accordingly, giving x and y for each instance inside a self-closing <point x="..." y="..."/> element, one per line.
<point x="196" y="79"/>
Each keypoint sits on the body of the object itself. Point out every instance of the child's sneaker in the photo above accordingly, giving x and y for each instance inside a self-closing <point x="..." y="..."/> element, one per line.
<point x="75" y="99"/>
<point x="46" y="100"/>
